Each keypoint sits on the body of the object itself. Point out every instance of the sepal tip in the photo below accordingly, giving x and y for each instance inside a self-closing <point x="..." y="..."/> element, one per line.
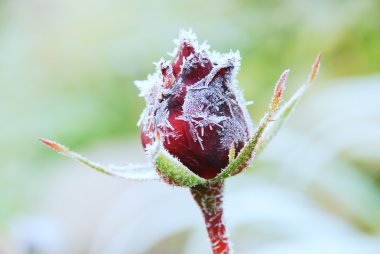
<point x="315" y="68"/>
<point x="55" y="146"/>
<point x="279" y="90"/>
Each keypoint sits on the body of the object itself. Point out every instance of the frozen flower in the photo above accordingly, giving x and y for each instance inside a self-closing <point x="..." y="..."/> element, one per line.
<point x="194" y="106"/>
<point x="196" y="130"/>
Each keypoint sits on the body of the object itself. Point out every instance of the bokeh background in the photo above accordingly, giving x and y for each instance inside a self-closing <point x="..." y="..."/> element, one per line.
<point x="66" y="73"/>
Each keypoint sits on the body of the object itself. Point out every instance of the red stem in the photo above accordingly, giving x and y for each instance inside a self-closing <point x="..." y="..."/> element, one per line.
<point x="209" y="197"/>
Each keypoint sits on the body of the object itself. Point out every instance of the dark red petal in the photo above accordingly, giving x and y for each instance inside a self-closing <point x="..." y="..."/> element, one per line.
<point x="167" y="76"/>
<point x="208" y="156"/>
<point x="195" y="69"/>
<point x="206" y="162"/>
<point x="146" y="136"/>
<point x="184" y="50"/>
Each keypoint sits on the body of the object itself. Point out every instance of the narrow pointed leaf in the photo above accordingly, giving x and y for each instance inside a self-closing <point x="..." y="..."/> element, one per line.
<point x="282" y="115"/>
<point x="278" y="91"/>
<point x="315" y="69"/>
<point x="132" y="171"/>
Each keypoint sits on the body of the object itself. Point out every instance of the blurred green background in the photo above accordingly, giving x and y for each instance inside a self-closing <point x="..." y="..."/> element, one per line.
<point x="67" y="69"/>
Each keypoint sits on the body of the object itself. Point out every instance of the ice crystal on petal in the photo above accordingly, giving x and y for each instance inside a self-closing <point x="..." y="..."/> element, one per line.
<point x="232" y="133"/>
<point x="162" y="122"/>
<point x="205" y="104"/>
<point x="146" y="87"/>
<point x="192" y="102"/>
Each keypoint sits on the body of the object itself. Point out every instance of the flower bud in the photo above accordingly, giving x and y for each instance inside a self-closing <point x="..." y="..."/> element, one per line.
<point x="194" y="107"/>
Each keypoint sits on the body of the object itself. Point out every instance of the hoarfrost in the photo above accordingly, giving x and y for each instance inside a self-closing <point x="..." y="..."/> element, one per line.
<point x="213" y="102"/>
<point x="161" y="121"/>
<point x="190" y="38"/>
<point x="146" y="86"/>
<point x="243" y="104"/>
<point x="232" y="133"/>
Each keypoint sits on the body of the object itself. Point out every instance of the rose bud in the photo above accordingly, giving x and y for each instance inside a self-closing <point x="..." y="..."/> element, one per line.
<point x="196" y="130"/>
<point x="194" y="106"/>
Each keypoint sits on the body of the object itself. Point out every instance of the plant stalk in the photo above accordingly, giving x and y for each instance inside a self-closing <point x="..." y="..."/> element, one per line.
<point x="209" y="198"/>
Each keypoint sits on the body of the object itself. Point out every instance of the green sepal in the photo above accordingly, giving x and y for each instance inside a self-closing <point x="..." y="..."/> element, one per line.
<point x="174" y="171"/>
<point x="143" y="171"/>
<point x="282" y="115"/>
<point x="279" y="119"/>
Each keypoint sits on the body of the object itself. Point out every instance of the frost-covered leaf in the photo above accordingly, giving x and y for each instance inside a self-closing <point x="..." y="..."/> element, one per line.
<point x="278" y="91"/>
<point x="174" y="171"/>
<point x="132" y="171"/>
<point x="281" y="116"/>
<point x="248" y="151"/>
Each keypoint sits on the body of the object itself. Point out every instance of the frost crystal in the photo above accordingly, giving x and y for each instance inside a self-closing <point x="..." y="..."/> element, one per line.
<point x="194" y="105"/>
<point x="210" y="103"/>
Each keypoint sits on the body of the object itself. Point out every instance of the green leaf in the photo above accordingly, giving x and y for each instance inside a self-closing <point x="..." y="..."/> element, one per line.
<point x="132" y="172"/>
<point x="279" y="119"/>
<point x="282" y="115"/>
